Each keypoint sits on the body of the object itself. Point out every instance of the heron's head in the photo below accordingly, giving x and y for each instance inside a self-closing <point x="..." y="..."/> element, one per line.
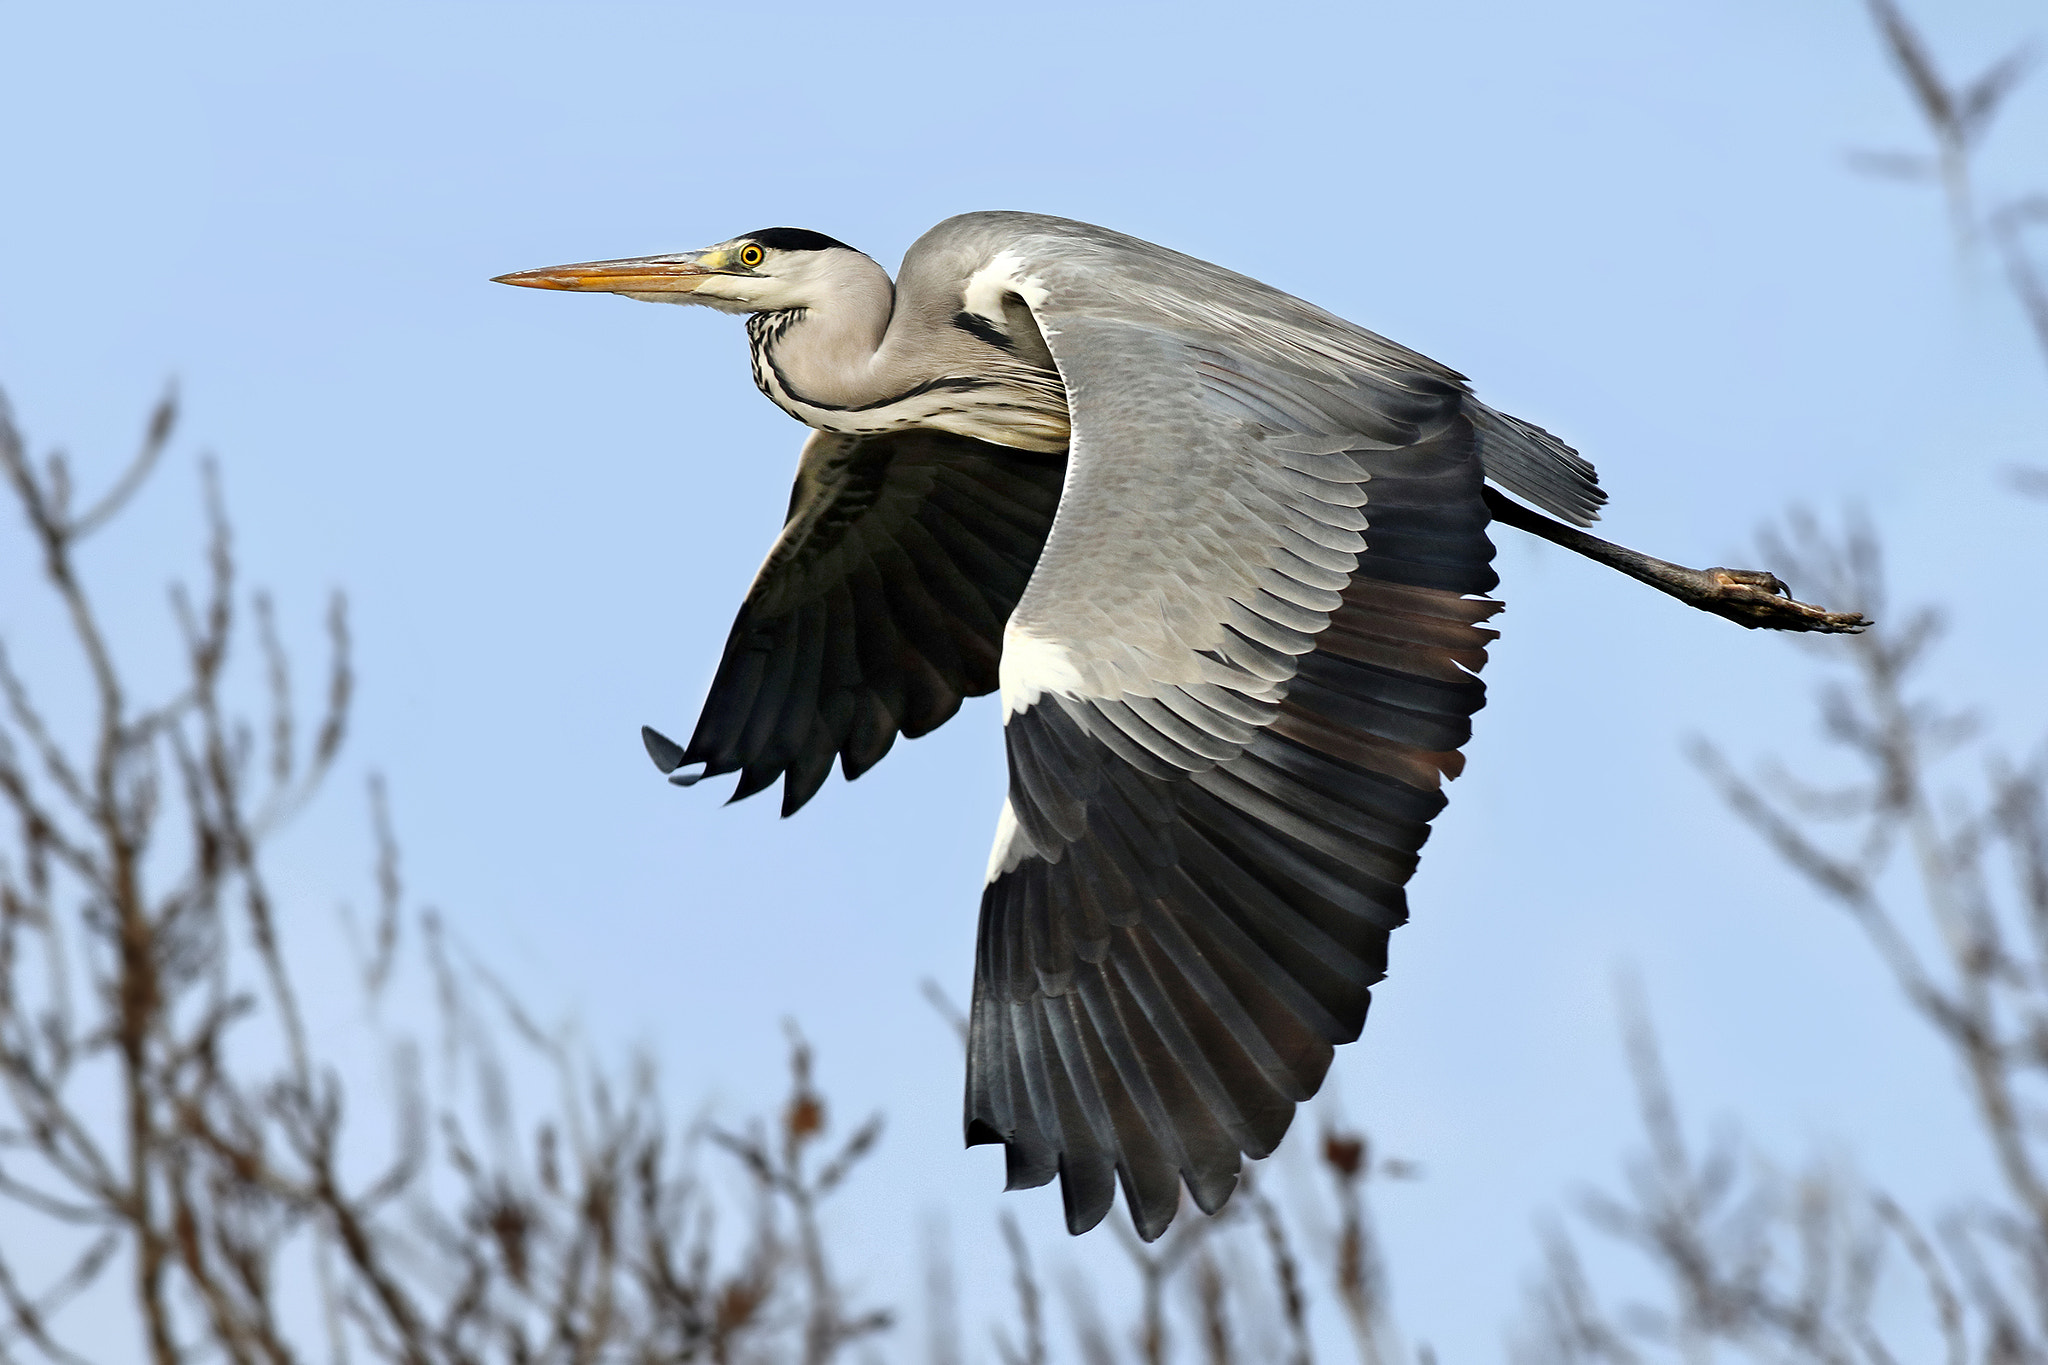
<point x="760" y="272"/>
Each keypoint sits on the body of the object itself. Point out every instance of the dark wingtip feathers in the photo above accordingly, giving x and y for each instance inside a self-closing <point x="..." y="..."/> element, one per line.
<point x="669" y="756"/>
<point x="666" y="753"/>
<point x="881" y="608"/>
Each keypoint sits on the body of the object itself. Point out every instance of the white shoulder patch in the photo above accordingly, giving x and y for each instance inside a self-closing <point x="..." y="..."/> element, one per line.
<point x="1002" y="275"/>
<point x="1008" y="835"/>
<point x="1032" y="666"/>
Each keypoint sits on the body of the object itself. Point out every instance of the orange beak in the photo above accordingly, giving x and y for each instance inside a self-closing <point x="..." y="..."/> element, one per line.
<point x="677" y="274"/>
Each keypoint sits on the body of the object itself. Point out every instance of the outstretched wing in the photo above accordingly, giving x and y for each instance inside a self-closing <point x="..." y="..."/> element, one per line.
<point x="879" y="608"/>
<point x="1242" y="668"/>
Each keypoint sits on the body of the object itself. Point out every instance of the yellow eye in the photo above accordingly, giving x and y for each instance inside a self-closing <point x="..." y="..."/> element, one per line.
<point x="750" y="255"/>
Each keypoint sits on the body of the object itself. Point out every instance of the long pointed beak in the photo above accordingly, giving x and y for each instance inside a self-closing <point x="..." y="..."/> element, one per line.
<point x="677" y="274"/>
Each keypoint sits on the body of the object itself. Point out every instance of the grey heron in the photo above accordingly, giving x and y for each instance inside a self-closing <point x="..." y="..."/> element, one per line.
<point x="1224" y="555"/>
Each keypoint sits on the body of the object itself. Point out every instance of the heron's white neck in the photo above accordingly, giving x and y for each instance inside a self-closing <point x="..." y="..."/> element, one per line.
<point x="825" y="352"/>
<point x="838" y="364"/>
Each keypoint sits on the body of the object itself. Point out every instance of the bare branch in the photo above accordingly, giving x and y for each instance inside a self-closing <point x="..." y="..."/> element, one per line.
<point x="1030" y="1302"/>
<point x="163" y="420"/>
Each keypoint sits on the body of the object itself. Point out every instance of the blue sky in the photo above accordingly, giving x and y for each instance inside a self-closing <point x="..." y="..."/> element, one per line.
<point x="1629" y="222"/>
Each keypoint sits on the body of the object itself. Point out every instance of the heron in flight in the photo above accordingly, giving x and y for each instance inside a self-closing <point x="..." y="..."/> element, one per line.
<point x="1225" y="556"/>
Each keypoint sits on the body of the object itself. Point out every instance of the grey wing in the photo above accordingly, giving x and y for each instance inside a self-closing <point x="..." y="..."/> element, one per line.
<point x="879" y="608"/>
<point x="1232" y="689"/>
<point x="1262" y="324"/>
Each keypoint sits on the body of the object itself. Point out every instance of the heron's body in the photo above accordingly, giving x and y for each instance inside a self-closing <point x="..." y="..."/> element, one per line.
<point x="1225" y="556"/>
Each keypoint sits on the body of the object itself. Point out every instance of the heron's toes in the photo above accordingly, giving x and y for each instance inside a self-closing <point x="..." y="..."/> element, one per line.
<point x="1750" y="578"/>
<point x="1761" y="601"/>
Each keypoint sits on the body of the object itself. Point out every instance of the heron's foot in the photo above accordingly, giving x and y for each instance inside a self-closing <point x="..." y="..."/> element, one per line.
<point x="1761" y="601"/>
<point x="1752" y="600"/>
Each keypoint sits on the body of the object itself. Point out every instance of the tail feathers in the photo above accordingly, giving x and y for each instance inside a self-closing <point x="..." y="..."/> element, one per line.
<point x="1531" y="463"/>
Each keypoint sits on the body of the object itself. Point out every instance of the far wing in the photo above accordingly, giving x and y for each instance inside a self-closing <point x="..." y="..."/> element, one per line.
<point x="879" y="608"/>
<point x="1231" y="690"/>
